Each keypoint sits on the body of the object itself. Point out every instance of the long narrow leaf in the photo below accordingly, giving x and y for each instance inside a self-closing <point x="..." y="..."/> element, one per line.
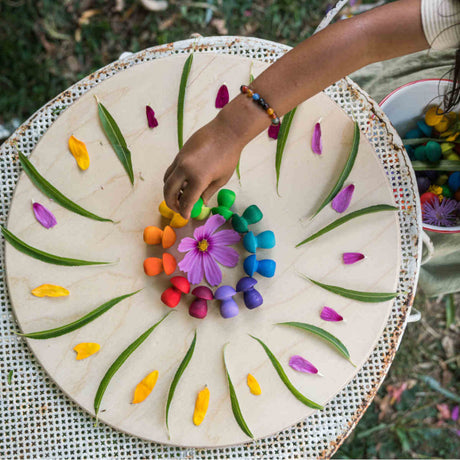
<point x="284" y="378"/>
<point x="235" y="404"/>
<point x="120" y="361"/>
<point x="436" y="386"/>
<point x="83" y="321"/>
<point x="329" y="338"/>
<point x="346" y="170"/>
<point x="361" y="296"/>
<point x="113" y="133"/>
<point x="41" y="255"/>
<point x="51" y="192"/>
<point x="180" y="370"/>
<point x="281" y="142"/>
<point x="443" y="165"/>
<point x="344" y="219"/>
<point x="181" y="100"/>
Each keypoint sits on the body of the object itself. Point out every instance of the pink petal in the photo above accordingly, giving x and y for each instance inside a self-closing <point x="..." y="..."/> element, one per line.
<point x="222" y="97"/>
<point x="211" y="270"/>
<point x="224" y="238"/>
<point x="454" y="413"/>
<point x="196" y="271"/>
<point x="187" y="244"/>
<point x="328" y="314"/>
<point x="43" y="215"/>
<point x="212" y="224"/>
<point x="274" y="130"/>
<point x="188" y="261"/>
<point x="151" y="120"/>
<point x="225" y="255"/>
<point x="342" y="200"/>
<point x="352" y="257"/>
<point x="302" y="365"/>
<point x="316" y="142"/>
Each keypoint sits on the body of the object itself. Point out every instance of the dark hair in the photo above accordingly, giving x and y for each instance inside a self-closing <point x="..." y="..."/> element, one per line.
<point x="452" y="96"/>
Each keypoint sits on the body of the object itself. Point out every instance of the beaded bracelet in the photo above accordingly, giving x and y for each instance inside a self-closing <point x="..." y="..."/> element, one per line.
<point x="264" y="104"/>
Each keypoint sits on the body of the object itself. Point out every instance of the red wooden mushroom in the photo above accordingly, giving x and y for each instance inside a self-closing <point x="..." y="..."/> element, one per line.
<point x="171" y="296"/>
<point x="199" y="307"/>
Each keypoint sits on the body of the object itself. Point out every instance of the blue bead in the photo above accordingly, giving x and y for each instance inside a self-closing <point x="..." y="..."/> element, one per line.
<point x="426" y="130"/>
<point x="255" y="96"/>
<point x="414" y="134"/>
<point x="454" y="181"/>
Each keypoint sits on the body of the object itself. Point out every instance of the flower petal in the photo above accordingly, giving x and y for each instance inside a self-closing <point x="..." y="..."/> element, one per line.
<point x="352" y="257"/>
<point x="316" y="142"/>
<point x="195" y="273"/>
<point x="43" y="215"/>
<point x="342" y="200"/>
<point x="211" y="225"/>
<point x="329" y="314"/>
<point x="222" y="97"/>
<point x="151" y="120"/>
<point x="189" y="259"/>
<point x="224" y="238"/>
<point x="211" y="270"/>
<point x="274" y="130"/>
<point x="187" y="244"/>
<point x="302" y="365"/>
<point x="454" y="413"/>
<point x="225" y="255"/>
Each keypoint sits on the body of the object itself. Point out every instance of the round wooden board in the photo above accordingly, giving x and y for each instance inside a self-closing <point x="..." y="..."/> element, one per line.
<point x="105" y="189"/>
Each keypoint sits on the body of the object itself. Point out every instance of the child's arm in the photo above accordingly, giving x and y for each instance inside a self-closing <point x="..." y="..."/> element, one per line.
<point x="209" y="157"/>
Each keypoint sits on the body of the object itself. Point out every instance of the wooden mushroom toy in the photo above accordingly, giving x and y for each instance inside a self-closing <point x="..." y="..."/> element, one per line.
<point x="251" y="215"/>
<point x="177" y="221"/>
<point x="228" y="307"/>
<point x="252" y="297"/>
<point x="199" y="307"/>
<point x="154" y="265"/>
<point x="265" y="267"/>
<point x="264" y="240"/>
<point x="171" y="296"/>
<point x="155" y="235"/>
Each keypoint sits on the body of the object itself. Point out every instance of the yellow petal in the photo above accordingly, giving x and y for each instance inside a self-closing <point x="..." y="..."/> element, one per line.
<point x="145" y="387"/>
<point x="86" y="349"/>
<point x="253" y="385"/>
<point x="79" y="151"/>
<point x="201" y="406"/>
<point x="433" y="116"/>
<point x="49" y="290"/>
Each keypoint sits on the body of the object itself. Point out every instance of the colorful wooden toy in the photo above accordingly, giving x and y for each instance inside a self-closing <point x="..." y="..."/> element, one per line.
<point x="225" y="200"/>
<point x="251" y="215"/>
<point x="264" y="240"/>
<point x="177" y="221"/>
<point x="265" y="267"/>
<point x="171" y="296"/>
<point x="252" y="297"/>
<point x="228" y="307"/>
<point x="199" y="307"/>
<point x="154" y="235"/>
<point x="154" y="266"/>
<point x="199" y="210"/>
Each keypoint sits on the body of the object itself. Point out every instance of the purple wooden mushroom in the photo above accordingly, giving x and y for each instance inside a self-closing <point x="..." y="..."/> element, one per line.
<point x="228" y="307"/>
<point x="199" y="307"/>
<point x="252" y="298"/>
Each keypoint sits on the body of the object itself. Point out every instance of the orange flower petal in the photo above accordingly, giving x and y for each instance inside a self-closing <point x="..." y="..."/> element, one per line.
<point x="50" y="290"/>
<point x="253" y="385"/>
<point x="78" y="150"/>
<point x="201" y="406"/>
<point x="145" y="387"/>
<point x="86" y="349"/>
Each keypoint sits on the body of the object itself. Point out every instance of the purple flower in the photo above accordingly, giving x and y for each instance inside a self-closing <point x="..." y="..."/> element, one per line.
<point x="205" y="249"/>
<point x="329" y="314"/>
<point x="43" y="215"/>
<point x="222" y="97"/>
<point x="441" y="214"/>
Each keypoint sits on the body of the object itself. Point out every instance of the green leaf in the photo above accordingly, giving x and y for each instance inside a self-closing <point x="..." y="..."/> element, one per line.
<point x="424" y="140"/>
<point x="331" y="339"/>
<point x="10" y="377"/>
<point x="281" y="142"/>
<point x="361" y="296"/>
<point x="346" y="218"/>
<point x="436" y="386"/>
<point x="180" y="103"/>
<point x="113" y="134"/>
<point x="251" y="78"/>
<point x="235" y="404"/>
<point x="120" y="361"/>
<point x="238" y="174"/>
<point x="284" y="378"/>
<point x="450" y="310"/>
<point x="83" y="321"/>
<point x="51" y="192"/>
<point x="443" y="165"/>
<point x="346" y="170"/>
<point x="41" y="255"/>
<point x="180" y="370"/>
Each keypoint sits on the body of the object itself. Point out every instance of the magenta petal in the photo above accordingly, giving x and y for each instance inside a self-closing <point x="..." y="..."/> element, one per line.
<point x="211" y="270"/>
<point x="274" y="130"/>
<point x="329" y="314"/>
<point x="187" y="244"/>
<point x="224" y="237"/>
<point x="222" y="97"/>
<point x="188" y="261"/>
<point x="316" y="142"/>
<point x="454" y="413"/>
<point x="225" y="255"/>
<point x="44" y="216"/>
<point x="151" y="120"/>
<point x="196" y="270"/>
<point x="352" y="257"/>
<point x="342" y="200"/>
<point x="302" y="365"/>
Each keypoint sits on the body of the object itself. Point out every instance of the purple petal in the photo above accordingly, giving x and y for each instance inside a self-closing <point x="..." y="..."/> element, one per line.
<point x="43" y="215"/>
<point x="195" y="272"/>
<point x="224" y="238"/>
<point x="342" y="200"/>
<point x="352" y="257"/>
<point x="225" y="255"/>
<point x="329" y="314"/>
<point x="187" y="244"/>
<point x="211" y="225"/>
<point x="188" y="261"/>
<point x="274" y="130"/>
<point x="454" y="413"/>
<point x="316" y="142"/>
<point x="222" y="97"/>
<point x="211" y="270"/>
<point x="302" y="365"/>
<point x="151" y="120"/>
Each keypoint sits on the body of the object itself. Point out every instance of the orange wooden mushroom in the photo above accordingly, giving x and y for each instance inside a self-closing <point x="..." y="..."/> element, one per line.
<point x="154" y="266"/>
<point x="154" y="235"/>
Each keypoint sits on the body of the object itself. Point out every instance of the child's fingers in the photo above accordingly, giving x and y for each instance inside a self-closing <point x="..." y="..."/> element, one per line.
<point x="209" y="192"/>
<point x="190" y="196"/>
<point x="172" y="188"/>
<point x="169" y="171"/>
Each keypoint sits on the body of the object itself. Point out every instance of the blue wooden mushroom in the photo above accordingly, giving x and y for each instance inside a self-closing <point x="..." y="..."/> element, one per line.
<point x="264" y="240"/>
<point x="252" y="297"/>
<point x="265" y="267"/>
<point x="228" y="307"/>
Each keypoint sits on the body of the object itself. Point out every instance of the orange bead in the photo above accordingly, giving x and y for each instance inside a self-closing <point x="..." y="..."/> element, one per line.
<point x="270" y="111"/>
<point x="169" y="237"/>
<point x="153" y="266"/>
<point x="273" y="116"/>
<point x="153" y="235"/>
<point x="249" y="93"/>
<point x="169" y="263"/>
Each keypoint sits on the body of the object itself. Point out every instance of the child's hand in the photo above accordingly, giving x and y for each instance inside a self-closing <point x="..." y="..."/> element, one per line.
<point x="205" y="163"/>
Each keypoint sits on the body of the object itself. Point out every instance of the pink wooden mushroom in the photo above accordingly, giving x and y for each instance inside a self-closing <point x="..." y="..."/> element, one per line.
<point x="199" y="307"/>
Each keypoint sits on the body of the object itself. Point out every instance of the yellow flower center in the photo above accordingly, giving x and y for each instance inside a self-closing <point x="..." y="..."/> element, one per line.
<point x="203" y="245"/>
